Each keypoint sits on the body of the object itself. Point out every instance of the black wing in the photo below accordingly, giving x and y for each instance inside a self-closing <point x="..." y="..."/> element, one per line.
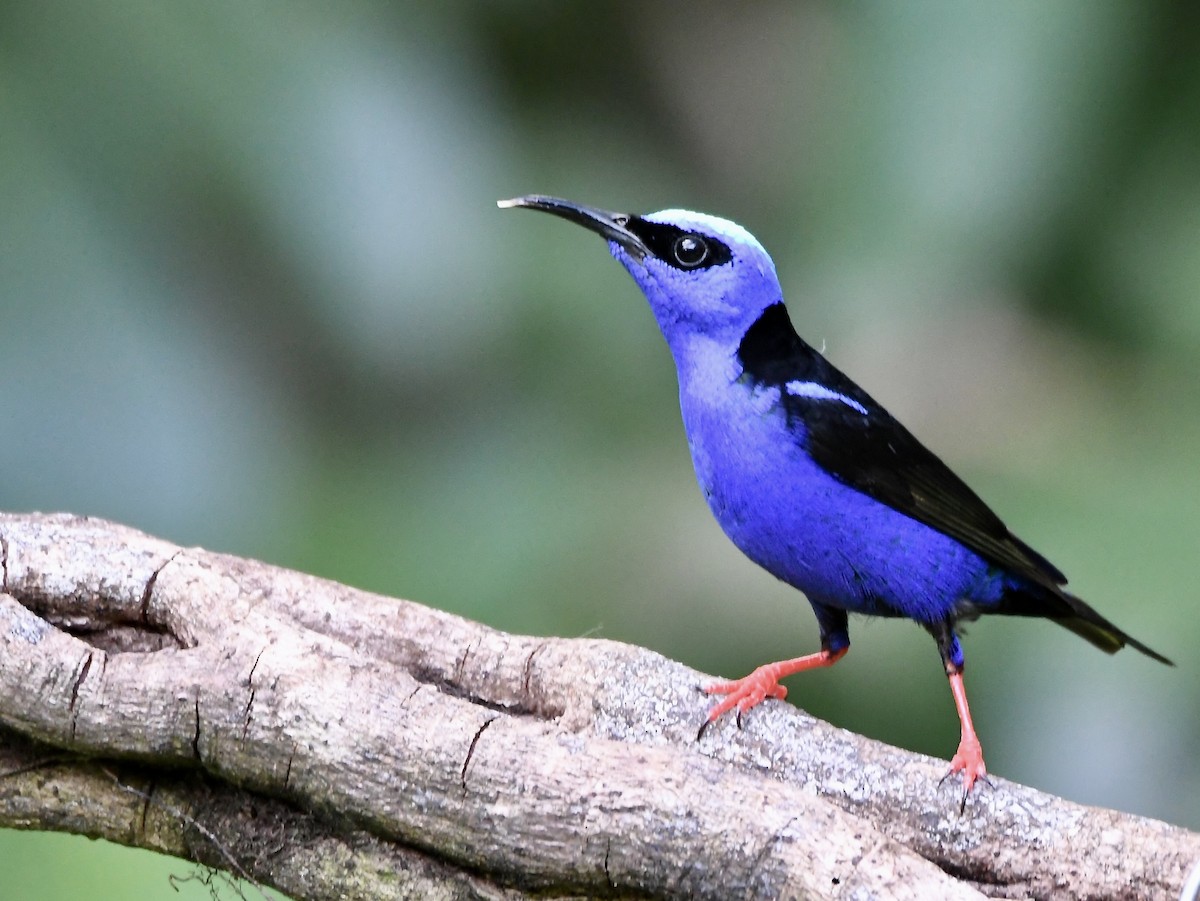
<point x="875" y="454"/>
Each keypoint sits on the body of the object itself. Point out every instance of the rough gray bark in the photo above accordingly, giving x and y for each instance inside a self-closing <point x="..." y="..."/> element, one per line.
<point x="339" y="744"/>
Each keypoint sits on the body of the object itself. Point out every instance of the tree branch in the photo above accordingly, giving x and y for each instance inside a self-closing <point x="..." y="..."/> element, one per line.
<point x="335" y="743"/>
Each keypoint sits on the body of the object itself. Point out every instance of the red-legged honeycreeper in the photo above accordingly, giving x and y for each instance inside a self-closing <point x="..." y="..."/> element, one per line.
<point x="811" y="478"/>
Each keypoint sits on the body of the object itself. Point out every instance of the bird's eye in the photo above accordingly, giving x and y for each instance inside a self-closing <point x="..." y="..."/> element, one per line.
<point x="690" y="251"/>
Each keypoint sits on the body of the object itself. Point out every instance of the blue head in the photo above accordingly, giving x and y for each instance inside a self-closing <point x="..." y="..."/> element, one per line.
<point x="705" y="278"/>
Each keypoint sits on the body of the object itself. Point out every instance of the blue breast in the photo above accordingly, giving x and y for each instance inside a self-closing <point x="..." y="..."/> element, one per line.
<point x="837" y="545"/>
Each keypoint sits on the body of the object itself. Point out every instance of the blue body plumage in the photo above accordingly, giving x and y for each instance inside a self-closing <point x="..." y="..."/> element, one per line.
<point x="811" y="478"/>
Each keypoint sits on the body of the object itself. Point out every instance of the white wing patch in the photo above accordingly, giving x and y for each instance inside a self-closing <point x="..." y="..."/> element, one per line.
<point x="816" y="391"/>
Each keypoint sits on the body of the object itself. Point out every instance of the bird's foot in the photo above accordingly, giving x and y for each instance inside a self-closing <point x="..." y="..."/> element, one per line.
<point x="747" y="692"/>
<point x="763" y="683"/>
<point x="969" y="761"/>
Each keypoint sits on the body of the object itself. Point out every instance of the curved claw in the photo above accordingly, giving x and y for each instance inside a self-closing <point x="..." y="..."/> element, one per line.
<point x="750" y="691"/>
<point x="969" y="761"/>
<point x="746" y="693"/>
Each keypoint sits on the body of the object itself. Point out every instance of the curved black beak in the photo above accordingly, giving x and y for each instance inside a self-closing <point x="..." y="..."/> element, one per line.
<point x="614" y="226"/>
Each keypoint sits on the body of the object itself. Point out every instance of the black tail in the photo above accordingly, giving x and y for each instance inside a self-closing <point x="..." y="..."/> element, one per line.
<point x="1072" y="613"/>
<point x="1087" y="623"/>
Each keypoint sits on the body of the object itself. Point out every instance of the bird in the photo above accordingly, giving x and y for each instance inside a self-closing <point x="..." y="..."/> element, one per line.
<point x="810" y="477"/>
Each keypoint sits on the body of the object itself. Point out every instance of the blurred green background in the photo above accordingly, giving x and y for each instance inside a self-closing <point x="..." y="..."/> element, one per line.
<point x="255" y="294"/>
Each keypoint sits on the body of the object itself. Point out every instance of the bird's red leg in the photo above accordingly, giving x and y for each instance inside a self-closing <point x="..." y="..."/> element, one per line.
<point x="969" y="758"/>
<point x="763" y="683"/>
